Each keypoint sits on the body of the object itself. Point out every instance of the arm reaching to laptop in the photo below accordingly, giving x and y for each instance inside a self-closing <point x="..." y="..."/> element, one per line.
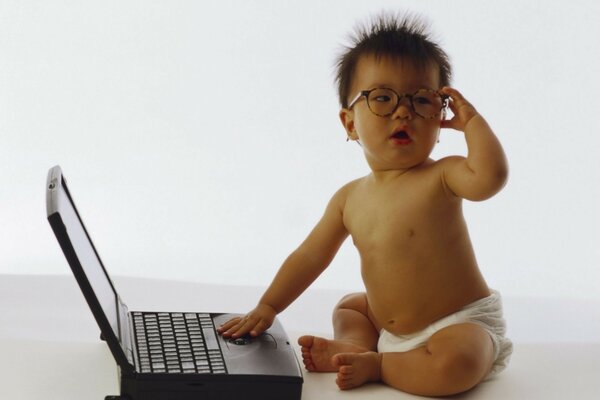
<point x="296" y="274"/>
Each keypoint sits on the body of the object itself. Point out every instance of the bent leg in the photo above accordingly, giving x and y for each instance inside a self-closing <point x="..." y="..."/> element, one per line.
<point x="454" y="360"/>
<point x="354" y="332"/>
<point x="353" y="322"/>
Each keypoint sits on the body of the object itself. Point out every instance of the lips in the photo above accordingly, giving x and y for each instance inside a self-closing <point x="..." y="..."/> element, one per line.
<point x="401" y="136"/>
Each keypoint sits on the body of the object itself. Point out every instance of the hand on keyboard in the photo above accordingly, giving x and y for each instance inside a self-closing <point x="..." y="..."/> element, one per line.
<point x="255" y="322"/>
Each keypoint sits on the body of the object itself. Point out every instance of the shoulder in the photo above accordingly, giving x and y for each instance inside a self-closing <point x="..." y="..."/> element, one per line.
<point x="446" y="165"/>
<point x="338" y="200"/>
<point x="459" y="178"/>
<point x="349" y="188"/>
<point x="434" y="170"/>
<point x="449" y="162"/>
<point x="442" y="167"/>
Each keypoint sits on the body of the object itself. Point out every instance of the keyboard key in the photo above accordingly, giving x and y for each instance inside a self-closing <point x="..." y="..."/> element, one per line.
<point x="177" y="343"/>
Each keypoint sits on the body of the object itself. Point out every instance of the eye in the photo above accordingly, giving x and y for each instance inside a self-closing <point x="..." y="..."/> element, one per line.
<point x="382" y="98"/>
<point x="422" y="100"/>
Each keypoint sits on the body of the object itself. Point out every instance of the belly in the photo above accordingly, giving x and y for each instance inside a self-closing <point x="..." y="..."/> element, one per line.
<point x="409" y="299"/>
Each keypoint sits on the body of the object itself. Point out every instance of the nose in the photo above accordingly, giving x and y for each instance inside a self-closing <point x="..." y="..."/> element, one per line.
<point x="404" y="109"/>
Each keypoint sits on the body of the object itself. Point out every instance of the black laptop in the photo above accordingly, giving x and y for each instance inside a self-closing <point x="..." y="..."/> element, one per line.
<point x="170" y="355"/>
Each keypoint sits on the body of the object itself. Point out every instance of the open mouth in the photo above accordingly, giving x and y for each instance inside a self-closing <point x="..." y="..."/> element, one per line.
<point x="401" y="137"/>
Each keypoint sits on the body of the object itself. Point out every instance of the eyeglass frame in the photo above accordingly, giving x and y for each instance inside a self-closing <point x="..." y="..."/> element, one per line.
<point x="366" y="93"/>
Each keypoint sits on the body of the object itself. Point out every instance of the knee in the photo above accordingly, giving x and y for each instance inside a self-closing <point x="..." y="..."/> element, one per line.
<point x="461" y="369"/>
<point x="352" y="301"/>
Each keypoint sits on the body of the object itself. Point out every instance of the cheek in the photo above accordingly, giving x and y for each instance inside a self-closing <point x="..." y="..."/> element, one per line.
<point x="430" y="127"/>
<point x="432" y="133"/>
<point x="368" y="123"/>
<point x="359" y="127"/>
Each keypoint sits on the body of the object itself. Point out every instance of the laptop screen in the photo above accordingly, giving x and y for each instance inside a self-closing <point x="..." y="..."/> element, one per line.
<point x="59" y="201"/>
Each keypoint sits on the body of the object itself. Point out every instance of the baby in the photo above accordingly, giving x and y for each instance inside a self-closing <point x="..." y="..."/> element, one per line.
<point x="428" y="323"/>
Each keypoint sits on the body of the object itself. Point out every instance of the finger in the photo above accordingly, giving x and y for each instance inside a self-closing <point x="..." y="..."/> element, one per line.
<point x="231" y="322"/>
<point x="452" y="108"/>
<point x="259" y="328"/>
<point x="453" y="93"/>
<point x="456" y="97"/>
<point x="450" y="123"/>
<point x="227" y="325"/>
<point x="232" y="329"/>
<point x="242" y="328"/>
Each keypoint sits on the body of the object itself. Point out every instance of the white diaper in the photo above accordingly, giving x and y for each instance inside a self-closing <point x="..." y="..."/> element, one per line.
<point x="486" y="312"/>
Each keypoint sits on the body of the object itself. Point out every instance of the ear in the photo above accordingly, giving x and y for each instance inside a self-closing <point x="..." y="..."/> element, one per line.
<point x="347" y="119"/>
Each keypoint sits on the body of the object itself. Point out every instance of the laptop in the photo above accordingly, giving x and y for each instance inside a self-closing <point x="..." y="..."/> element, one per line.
<point x="170" y="355"/>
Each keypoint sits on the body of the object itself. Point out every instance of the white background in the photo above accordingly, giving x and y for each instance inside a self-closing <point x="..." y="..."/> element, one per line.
<point x="201" y="140"/>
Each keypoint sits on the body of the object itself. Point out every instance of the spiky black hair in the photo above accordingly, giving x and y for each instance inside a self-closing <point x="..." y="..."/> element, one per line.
<point x="401" y="36"/>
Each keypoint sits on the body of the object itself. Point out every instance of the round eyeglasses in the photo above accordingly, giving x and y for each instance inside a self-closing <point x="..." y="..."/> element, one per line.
<point x="383" y="102"/>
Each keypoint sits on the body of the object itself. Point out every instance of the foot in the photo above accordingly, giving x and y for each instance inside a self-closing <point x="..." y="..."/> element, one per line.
<point x="317" y="352"/>
<point x="357" y="369"/>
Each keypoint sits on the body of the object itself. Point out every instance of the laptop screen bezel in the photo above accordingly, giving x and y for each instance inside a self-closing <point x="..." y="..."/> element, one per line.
<point x="118" y="342"/>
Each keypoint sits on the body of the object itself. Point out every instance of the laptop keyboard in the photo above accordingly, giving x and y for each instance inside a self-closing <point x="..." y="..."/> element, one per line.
<point x="177" y="343"/>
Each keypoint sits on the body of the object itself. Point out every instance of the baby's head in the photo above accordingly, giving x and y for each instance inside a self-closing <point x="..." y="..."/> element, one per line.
<point x="388" y="82"/>
<point x="402" y="38"/>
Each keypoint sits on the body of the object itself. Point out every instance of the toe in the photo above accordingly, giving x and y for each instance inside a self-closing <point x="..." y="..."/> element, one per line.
<point x="341" y="359"/>
<point x="309" y="365"/>
<point x="346" y="370"/>
<point x="306" y="341"/>
<point x="344" y="383"/>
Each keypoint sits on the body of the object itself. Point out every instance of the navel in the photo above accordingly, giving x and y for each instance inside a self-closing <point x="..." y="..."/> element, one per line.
<point x="411" y="233"/>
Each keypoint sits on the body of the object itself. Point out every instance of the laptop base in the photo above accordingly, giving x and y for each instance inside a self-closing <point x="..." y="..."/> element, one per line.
<point x="219" y="387"/>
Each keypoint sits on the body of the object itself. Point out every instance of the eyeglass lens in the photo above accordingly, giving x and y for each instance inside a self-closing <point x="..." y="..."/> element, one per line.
<point x="426" y="103"/>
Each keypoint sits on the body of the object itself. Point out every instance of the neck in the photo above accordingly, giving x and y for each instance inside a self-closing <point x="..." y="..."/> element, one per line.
<point x="381" y="175"/>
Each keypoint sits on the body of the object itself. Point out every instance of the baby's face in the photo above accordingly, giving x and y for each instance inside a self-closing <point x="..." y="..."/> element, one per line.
<point x="403" y="139"/>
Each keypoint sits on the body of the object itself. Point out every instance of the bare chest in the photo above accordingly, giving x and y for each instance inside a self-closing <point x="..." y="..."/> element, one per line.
<point x="396" y="214"/>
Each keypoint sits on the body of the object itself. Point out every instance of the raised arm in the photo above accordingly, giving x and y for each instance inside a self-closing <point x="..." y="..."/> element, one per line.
<point x="298" y="271"/>
<point x="485" y="169"/>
